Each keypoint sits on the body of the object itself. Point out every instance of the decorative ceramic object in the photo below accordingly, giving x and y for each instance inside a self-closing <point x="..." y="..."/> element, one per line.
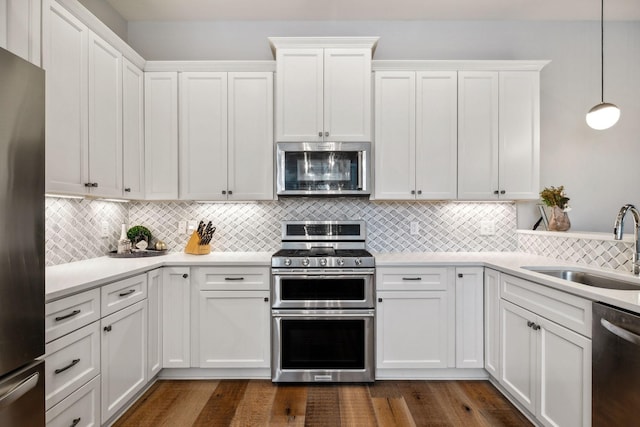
<point x="559" y="220"/>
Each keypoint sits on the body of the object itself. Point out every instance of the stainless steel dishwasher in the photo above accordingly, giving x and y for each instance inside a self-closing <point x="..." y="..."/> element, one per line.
<point x="616" y="367"/>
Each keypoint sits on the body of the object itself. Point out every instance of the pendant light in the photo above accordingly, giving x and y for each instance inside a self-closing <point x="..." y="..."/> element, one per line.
<point x="605" y="114"/>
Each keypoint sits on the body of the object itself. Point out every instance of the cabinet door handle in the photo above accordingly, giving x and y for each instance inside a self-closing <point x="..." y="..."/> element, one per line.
<point x="319" y="133"/>
<point x="530" y="323"/>
<point x="413" y="191"/>
<point x="224" y="191"/>
<point x="94" y="184"/>
<point x="73" y="363"/>
<point x="535" y="326"/>
<point x="379" y="299"/>
<point x="419" y="191"/>
<point x="66" y="316"/>
<point x="75" y="422"/>
<point x="126" y="190"/>
<point x="502" y="191"/>
<point x="124" y="294"/>
<point x="232" y="279"/>
<point x="87" y="184"/>
<point x="326" y="134"/>
<point x="460" y="275"/>
<point x="230" y="192"/>
<point x="412" y="278"/>
<point x="107" y="328"/>
<point x="266" y="299"/>
<point x="185" y="275"/>
<point x="496" y="192"/>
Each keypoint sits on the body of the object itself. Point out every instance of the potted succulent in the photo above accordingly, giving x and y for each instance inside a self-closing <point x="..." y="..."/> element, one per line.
<point x="558" y="201"/>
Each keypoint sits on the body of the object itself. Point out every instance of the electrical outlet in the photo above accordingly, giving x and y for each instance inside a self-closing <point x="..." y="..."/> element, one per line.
<point x="487" y="228"/>
<point x="414" y="228"/>
<point x="182" y="227"/>
<point x="104" y="229"/>
<point x="191" y="226"/>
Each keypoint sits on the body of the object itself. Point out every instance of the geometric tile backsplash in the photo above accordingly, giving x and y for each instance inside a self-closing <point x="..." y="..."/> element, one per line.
<point x="73" y="227"/>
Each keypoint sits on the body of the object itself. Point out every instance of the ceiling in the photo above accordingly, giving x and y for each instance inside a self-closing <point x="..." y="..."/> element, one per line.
<point x="373" y="10"/>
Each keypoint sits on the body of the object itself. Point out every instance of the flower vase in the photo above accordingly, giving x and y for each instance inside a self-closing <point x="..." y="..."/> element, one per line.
<point x="559" y="220"/>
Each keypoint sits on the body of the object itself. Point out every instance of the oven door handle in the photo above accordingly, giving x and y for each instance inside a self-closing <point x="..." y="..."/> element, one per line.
<point x="322" y="313"/>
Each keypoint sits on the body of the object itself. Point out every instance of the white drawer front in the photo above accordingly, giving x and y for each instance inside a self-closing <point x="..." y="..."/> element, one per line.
<point x="565" y="309"/>
<point x="121" y="294"/>
<point x="70" y="362"/>
<point x="413" y="278"/>
<point x="71" y="313"/>
<point x="80" y="409"/>
<point x="231" y="278"/>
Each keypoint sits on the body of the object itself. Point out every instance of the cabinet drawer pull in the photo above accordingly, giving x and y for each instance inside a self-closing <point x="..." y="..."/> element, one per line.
<point x="124" y="294"/>
<point x="231" y="279"/>
<point x="75" y="422"/>
<point x="412" y="278"/>
<point x="73" y="363"/>
<point x="66" y="316"/>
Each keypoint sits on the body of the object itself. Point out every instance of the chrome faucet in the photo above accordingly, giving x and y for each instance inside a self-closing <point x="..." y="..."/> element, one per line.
<point x="617" y="231"/>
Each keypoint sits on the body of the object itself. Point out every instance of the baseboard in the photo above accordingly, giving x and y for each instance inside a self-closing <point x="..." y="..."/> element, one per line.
<point x="431" y="374"/>
<point x="214" y="373"/>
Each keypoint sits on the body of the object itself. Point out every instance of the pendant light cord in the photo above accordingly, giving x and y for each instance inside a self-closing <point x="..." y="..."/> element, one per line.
<point x="602" y="51"/>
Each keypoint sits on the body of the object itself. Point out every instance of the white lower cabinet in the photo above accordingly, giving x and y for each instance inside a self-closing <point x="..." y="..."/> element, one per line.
<point x="469" y="317"/>
<point x="124" y="357"/>
<point x="176" y="317"/>
<point x="80" y="409"/>
<point x="546" y="367"/>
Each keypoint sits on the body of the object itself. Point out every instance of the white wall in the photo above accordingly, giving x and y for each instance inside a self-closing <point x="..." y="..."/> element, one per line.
<point x="598" y="168"/>
<point x="108" y="15"/>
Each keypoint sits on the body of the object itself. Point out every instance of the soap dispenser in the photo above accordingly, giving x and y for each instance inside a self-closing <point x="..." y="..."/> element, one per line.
<point x="124" y="244"/>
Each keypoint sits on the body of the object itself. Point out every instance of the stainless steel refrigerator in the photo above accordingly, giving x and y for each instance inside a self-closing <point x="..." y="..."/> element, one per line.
<point x="21" y="242"/>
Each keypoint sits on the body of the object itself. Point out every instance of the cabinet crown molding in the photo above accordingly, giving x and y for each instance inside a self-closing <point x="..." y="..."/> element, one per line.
<point x="459" y="65"/>
<point x="215" y="66"/>
<point x="323" y="42"/>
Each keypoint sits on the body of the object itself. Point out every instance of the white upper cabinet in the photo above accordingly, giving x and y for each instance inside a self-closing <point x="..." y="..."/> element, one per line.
<point x="498" y="135"/>
<point x="203" y="135"/>
<point x="323" y="89"/>
<point x="226" y="135"/>
<point x="161" y="135"/>
<point x="20" y="28"/>
<point x="105" y="118"/>
<point x="132" y="130"/>
<point x="65" y="41"/>
<point x="416" y="135"/>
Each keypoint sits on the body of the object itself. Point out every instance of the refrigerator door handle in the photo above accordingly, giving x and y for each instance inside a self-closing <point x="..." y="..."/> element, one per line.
<point x="19" y="390"/>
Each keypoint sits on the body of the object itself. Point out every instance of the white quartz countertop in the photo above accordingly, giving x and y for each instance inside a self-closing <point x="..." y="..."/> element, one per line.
<point x="67" y="279"/>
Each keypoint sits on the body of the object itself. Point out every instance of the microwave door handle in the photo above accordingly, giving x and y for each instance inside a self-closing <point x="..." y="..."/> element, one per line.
<point x="359" y="170"/>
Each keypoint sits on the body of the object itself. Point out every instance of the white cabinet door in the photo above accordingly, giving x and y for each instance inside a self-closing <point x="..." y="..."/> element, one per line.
<point x="20" y="28"/>
<point x="412" y="330"/>
<point x="436" y="119"/>
<point x="299" y="95"/>
<point x="519" y="134"/>
<point x="519" y="348"/>
<point x="492" y="322"/>
<point x="154" y="340"/>
<point x="65" y="41"/>
<point x="478" y="135"/>
<point x="395" y="143"/>
<point x="469" y="318"/>
<point x="105" y="118"/>
<point x="124" y="357"/>
<point x="347" y="94"/>
<point x="565" y="376"/>
<point x="132" y="130"/>
<point x="203" y="136"/>
<point x="161" y="135"/>
<point x="176" y="315"/>
<point x="234" y="329"/>
<point x="250" y="143"/>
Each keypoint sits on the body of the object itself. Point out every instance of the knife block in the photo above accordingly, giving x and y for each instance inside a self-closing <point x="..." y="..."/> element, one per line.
<point x="193" y="247"/>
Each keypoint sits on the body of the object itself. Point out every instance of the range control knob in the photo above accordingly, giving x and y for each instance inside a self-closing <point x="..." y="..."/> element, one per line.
<point x="287" y="262"/>
<point x="357" y="261"/>
<point x="323" y="262"/>
<point x="305" y="262"/>
<point x="340" y="262"/>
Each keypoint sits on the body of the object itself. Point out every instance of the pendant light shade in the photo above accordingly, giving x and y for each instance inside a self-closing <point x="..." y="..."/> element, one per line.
<point x="605" y="114"/>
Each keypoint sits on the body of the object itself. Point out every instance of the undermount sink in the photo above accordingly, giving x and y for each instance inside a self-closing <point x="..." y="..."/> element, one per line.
<point x="586" y="278"/>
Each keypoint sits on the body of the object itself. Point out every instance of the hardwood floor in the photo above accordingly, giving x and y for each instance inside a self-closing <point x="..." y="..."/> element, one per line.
<point x="261" y="403"/>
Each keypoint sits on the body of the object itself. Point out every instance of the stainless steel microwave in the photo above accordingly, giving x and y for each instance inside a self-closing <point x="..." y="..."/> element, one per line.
<point x="323" y="168"/>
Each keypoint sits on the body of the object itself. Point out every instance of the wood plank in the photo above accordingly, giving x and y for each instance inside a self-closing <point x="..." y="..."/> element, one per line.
<point x="289" y="405"/>
<point x="392" y="412"/>
<point x="323" y="406"/>
<point x="221" y="406"/>
<point x="461" y="411"/>
<point x="384" y="389"/>
<point x="356" y="408"/>
<point x="495" y="408"/>
<point x="255" y="407"/>
<point x="424" y="406"/>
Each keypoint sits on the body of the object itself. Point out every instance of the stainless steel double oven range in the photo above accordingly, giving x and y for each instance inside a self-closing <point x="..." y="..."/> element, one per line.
<point x="323" y="304"/>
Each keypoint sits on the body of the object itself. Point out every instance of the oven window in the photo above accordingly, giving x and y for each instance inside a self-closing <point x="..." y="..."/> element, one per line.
<point x="330" y="170"/>
<point x="323" y="344"/>
<point x="324" y="289"/>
